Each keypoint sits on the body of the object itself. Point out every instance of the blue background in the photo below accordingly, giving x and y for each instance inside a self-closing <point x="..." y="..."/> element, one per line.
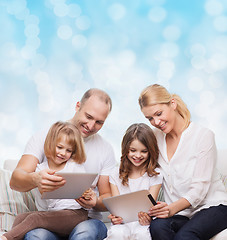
<point x="51" y="51"/>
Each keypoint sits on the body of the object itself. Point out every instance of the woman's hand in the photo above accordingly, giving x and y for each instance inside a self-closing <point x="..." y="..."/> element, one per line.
<point x="144" y="218"/>
<point x="88" y="199"/>
<point x="161" y="210"/>
<point x="115" y="219"/>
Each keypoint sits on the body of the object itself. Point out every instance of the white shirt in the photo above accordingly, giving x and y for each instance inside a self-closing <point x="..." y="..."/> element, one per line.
<point x="58" y="204"/>
<point x="191" y="172"/>
<point x="142" y="183"/>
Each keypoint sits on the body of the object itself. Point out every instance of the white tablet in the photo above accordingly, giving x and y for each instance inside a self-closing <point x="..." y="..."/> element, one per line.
<point x="76" y="184"/>
<point x="129" y="205"/>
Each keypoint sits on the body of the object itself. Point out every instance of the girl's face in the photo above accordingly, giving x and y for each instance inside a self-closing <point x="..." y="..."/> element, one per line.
<point x="138" y="153"/>
<point x="161" y="116"/>
<point x="63" y="151"/>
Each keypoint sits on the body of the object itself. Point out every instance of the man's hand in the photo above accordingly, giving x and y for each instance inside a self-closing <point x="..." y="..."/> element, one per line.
<point x="46" y="181"/>
<point x="115" y="219"/>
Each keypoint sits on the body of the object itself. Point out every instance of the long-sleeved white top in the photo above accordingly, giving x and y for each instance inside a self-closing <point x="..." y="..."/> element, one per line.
<point x="191" y="172"/>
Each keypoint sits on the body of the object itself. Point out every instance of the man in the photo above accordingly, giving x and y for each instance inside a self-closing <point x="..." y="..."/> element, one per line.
<point x="91" y="113"/>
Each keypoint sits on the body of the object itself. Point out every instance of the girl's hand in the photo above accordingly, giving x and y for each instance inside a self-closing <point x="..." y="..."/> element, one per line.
<point x="161" y="210"/>
<point x="144" y="218"/>
<point x="115" y="219"/>
<point x="88" y="199"/>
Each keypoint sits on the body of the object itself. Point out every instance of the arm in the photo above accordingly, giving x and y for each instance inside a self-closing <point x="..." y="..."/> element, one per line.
<point x="24" y="178"/>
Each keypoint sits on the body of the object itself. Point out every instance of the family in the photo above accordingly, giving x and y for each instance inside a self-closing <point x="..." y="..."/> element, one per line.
<point x="176" y="155"/>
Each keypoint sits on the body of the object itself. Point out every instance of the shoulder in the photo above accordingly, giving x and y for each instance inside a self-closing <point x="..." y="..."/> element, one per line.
<point x="199" y="131"/>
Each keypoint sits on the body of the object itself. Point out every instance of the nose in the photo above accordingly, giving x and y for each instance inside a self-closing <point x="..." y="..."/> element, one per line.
<point x="156" y="121"/>
<point x="91" y="125"/>
<point x="137" y="154"/>
<point x="62" y="152"/>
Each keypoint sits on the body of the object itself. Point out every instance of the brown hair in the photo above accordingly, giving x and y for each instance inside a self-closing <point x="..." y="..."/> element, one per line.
<point x="103" y="96"/>
<point x="73" y="138"/>
<point x="145" y="135"/>
<point x="157" y="94"/>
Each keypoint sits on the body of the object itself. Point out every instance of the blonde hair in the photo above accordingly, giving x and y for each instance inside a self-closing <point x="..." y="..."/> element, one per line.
<point x="157" y="94"/>
<point x="143" y="133"/>
<point x="73" y="138"/>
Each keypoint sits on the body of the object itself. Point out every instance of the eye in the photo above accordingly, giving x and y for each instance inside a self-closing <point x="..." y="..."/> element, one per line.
<point x="132" y="150"/>
<point x="59" y="147"/>
<point x="144" y="151"/>
<point x="69" y="150"/>
<point x="159" y="113"/>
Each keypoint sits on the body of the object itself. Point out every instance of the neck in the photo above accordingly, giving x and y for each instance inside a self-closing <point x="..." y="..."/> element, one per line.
<point x="178" y="128"/>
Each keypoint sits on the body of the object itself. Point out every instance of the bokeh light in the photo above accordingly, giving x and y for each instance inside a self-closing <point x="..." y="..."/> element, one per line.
<point x="52" y="51"/>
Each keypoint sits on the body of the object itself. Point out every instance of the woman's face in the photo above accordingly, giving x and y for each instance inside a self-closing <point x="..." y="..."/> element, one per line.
<point x="161" y="116"/>
<point x="138" y="153"/>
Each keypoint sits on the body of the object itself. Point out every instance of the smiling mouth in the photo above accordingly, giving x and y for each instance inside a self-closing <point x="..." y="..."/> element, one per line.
<point x="162" y="126"/>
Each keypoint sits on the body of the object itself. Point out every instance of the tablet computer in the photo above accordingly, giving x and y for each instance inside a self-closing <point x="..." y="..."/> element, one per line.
<point x="129" y="205"/>
<point x="76" y="184"/>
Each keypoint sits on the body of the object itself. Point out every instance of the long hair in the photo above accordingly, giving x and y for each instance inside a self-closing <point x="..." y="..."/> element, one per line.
<point x="73" y="138"/>
<point x="143" y="133"/>
<point x="157" y="94"/>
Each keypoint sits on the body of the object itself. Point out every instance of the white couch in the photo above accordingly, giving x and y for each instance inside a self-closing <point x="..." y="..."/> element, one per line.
<point x="13" y="202"/>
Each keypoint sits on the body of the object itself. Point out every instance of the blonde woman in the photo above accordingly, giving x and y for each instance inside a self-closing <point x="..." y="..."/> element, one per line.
<point x="195" y="204"/>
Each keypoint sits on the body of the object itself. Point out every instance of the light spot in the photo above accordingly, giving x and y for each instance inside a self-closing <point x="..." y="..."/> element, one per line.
<point x="61" y="10"/>
<point x="79" y="41"/>
<point x="157" y="14"/>
<point x="172" y="33"/>
<point x="116" y="11"/>
<point x="213" y="7"/>
<point x="64" y="32"/>
<point x="83" y="22"/>
<point x="220" y="23"/>
<point x="74" y="10"/>
<point x="198" y="50"/>
<point x="195" y="84"/>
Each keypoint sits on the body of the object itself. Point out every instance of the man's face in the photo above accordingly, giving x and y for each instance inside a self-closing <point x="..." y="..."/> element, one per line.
<point x="90" y="117"/>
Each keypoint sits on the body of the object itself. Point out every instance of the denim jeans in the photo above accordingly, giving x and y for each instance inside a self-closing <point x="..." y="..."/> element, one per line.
<point x="92" y="229"/>
<point x="202" y="226"/>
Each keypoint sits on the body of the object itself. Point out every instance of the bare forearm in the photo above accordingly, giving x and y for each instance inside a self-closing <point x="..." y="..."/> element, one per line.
<point x="99" y="204"/>
<point x="23" y="181"/>
<point x="178" y="206"/>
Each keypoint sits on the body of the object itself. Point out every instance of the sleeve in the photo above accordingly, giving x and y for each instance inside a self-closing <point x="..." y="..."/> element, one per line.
<point x="35" y="146"/>
<point x="206" y="156"/>
<point x="114" y="176"/>
<point x="109" y="162"/>
<point x="157" y="179"/>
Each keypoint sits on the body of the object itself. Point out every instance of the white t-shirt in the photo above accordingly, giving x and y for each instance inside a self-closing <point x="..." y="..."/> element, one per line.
<point x="142" y="183"/>
<point x="191" y="172"/>
<point x="58" y="204"/>
<point x="99" y="156"/>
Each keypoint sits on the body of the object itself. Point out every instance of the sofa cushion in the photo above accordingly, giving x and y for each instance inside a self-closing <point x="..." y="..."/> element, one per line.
<point x="12" y="202"/>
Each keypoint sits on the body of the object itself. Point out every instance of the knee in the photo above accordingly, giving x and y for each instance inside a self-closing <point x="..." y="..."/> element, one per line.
<point x="40" y="233"/>
<point x="89" y="230"/>
<point x="157" y="226"/>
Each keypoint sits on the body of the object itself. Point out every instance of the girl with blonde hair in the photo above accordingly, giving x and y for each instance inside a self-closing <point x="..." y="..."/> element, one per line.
<point x="64" y="151"/>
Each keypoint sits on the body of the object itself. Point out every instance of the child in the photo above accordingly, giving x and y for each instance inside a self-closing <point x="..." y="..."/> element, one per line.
<point x="138" y="171"/>
<point x="64" y="151"/>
